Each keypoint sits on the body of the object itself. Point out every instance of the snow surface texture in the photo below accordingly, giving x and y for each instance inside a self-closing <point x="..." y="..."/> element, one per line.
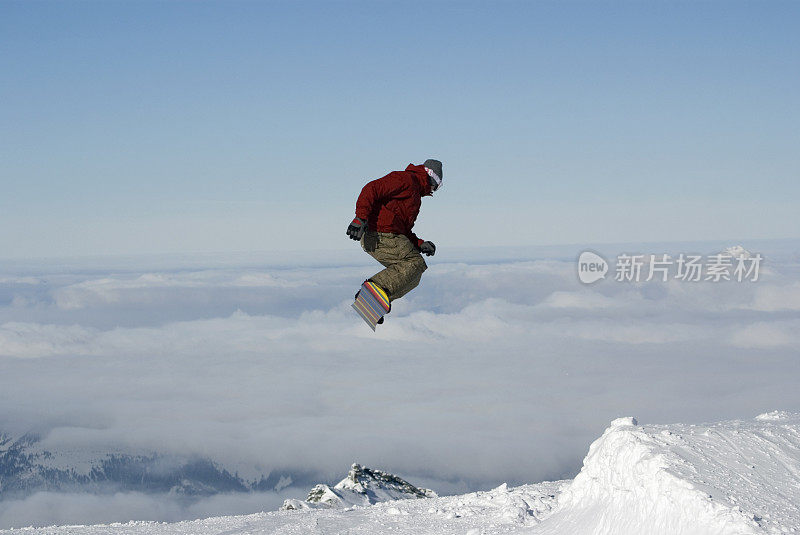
<point x="728" y="478"/>
<point x="502" y="510"/>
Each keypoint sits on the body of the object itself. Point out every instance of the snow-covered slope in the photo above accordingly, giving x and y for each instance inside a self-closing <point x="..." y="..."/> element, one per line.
<point x="728" y="478"/>
<point x="740" y="477"/>
<point x="362" y="486"/>
<point x="502" y="510"/>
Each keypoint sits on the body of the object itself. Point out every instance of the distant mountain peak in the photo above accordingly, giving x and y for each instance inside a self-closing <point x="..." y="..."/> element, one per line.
<point x="363" y="480"/>
<point x="736" y="251"/>
<point x="362" y="486"/>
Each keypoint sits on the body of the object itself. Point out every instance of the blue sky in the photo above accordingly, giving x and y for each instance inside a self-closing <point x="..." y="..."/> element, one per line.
<point x="140" y="127"/>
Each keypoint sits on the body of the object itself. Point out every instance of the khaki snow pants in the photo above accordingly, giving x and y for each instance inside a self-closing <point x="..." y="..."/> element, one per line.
<point x="403" y="262"/>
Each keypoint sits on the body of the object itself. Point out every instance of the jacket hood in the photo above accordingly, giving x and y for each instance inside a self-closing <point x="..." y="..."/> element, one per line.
<point x="422" y="175"/>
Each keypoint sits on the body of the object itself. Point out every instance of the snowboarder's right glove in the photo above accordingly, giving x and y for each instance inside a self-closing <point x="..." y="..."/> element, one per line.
<point x="427" y="247"/>
<point x="357" y="229"/>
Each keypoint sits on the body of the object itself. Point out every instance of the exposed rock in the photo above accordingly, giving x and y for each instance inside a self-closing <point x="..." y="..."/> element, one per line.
<point x="362" y="486"/>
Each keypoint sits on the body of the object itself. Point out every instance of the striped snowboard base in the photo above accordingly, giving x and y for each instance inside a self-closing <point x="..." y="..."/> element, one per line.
<point x="371" y="304"/>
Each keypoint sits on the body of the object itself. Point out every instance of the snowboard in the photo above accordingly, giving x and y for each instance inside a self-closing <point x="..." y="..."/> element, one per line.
<point x="372" y="303"/>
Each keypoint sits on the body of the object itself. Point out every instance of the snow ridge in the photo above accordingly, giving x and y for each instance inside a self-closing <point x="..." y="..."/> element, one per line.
<point x="739" y="477"/>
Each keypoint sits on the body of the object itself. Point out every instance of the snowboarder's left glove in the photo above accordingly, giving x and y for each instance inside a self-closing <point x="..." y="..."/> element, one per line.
<point x="427" y="247"/>
<point x="357" y="229"/>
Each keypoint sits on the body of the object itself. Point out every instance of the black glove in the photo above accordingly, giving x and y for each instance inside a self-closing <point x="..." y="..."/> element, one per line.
<point x="428" y="248"/>
<point x="357" y="229"/>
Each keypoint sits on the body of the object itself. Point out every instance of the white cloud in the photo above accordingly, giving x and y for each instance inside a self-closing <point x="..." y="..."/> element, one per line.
<point x="150" y="288"/>
<point x="486" y="373"/>
<point x="768" y="335"/>
<point x="582" y="299"/>
<point x="772" y="298"/>
<point x="31" y="340"/>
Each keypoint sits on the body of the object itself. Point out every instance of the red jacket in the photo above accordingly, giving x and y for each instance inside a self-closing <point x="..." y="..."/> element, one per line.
<point x="392" y="203"/>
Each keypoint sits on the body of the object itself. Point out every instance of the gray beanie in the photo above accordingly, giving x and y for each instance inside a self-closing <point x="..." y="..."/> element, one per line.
<point x="435" y="166"/>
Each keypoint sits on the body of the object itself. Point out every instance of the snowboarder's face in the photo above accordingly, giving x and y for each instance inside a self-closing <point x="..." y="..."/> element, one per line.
<point x="433" y="180"/>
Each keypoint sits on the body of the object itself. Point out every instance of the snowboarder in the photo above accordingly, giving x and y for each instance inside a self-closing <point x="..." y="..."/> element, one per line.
<point x="385" y="213"/>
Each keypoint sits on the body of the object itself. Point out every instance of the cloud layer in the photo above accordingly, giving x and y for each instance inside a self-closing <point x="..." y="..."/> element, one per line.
<point x="484" y="374"/>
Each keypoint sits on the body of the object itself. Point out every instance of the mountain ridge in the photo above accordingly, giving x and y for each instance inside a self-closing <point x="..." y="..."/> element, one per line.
<point x="362" y="486"/>
<point x="26" y="467"/>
